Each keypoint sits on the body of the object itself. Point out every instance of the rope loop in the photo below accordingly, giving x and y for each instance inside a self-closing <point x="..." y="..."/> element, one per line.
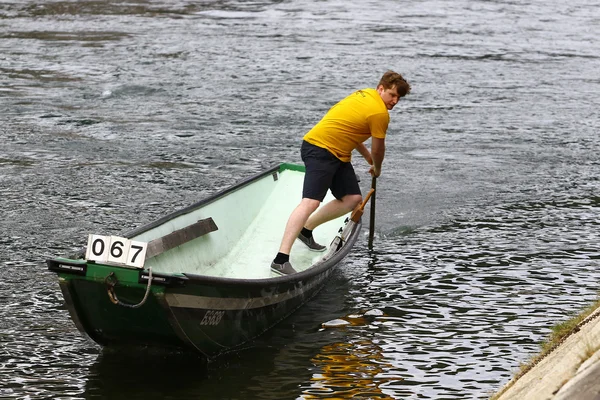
<point x="111" y="281"/>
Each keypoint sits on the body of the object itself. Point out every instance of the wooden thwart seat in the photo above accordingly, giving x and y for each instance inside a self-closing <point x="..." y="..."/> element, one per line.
<point x="180" y="236"/>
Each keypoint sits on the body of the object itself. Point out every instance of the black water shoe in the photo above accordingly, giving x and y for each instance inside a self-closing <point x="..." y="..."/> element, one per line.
<point x="310" y="242"/>
<point x="283" y="269"/>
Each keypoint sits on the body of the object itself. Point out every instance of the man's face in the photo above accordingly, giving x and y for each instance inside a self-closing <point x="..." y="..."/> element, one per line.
<point x="389" y="96"/>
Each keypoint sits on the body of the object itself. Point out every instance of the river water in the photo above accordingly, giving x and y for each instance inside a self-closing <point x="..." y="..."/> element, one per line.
<point x="488" y="209"/>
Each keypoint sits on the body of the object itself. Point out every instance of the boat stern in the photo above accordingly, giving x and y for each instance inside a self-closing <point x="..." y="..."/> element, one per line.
<point x="116" y="305"/>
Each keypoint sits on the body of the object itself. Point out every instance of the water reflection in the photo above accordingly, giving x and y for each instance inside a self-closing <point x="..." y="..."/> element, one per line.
<point x="348" y="370"/>
<point x="143" y="373"/>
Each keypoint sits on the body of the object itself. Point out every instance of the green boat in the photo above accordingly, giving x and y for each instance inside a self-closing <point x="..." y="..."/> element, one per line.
<point x="200" y="278"/>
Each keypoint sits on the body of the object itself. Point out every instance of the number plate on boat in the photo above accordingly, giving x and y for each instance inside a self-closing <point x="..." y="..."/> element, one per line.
<point x="116" y="250"/>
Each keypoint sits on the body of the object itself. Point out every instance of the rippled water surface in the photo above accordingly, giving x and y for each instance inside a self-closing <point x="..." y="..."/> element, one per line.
<point x="488" y="210"/>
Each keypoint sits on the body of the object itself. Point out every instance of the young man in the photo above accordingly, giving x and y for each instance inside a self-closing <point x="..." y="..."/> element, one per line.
<point x="326" y="152"/>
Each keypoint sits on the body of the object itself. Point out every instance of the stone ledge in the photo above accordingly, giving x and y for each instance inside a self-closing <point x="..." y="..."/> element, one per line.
<point x="562" y="371"/>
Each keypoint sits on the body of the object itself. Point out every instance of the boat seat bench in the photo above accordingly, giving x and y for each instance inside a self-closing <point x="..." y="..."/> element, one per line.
<point x="180" y="236"/>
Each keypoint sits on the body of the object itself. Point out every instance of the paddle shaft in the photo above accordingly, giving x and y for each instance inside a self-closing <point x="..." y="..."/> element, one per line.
<point x="372" y="219"/>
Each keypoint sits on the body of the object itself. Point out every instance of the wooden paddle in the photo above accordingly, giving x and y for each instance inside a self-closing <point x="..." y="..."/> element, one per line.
<point x="372" y="220"/>
<point x="359" y="209"/>
<point x="345" y="232"/>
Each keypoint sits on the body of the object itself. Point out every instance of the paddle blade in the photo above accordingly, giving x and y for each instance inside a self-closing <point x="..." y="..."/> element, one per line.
<point x="359" y="209"/>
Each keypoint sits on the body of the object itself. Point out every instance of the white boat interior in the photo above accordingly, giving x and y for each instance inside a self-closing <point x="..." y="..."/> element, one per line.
<point x="250" y="222"/>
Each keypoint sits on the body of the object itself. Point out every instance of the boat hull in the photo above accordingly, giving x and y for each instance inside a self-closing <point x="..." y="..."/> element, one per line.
<point x="212" y="315"/>
<point x="209" y="315"/>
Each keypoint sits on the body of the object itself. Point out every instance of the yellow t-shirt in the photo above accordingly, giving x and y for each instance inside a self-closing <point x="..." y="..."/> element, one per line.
<point x="351" y="121"/>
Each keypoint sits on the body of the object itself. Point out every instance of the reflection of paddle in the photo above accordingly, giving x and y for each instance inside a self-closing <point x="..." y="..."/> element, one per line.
<point x="372" y="220"/>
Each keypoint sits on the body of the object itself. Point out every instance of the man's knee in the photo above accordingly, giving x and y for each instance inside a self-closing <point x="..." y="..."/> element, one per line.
<point x="352" y="200"/>
<point x="310" y="205"/>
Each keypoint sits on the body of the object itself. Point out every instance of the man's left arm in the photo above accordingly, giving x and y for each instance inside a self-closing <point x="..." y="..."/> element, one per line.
<point x="378" y="124"/>
<point x="377" y="153"/>
<point x="362" y="149"/>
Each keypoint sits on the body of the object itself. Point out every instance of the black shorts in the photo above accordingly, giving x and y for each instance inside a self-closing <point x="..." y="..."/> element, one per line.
<point x="325" y="171"/>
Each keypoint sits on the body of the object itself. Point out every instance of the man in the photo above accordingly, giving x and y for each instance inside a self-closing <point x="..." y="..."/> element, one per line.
<point x="326" y="152"/>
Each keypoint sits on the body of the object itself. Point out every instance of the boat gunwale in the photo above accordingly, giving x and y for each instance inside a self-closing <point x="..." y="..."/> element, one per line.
<point x="184" y="279"/>
<point x="308" y="273"/>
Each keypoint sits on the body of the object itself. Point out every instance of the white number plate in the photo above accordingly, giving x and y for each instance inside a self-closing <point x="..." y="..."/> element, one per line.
<point x="116" y="250"/>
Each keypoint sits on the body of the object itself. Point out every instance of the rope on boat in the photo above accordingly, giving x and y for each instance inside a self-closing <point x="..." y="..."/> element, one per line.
<point x="111" y="282"/>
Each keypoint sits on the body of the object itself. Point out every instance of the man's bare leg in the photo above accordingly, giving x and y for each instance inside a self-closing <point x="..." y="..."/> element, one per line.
<point x="296" y="222"/>
<point x="334" y="209"/>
